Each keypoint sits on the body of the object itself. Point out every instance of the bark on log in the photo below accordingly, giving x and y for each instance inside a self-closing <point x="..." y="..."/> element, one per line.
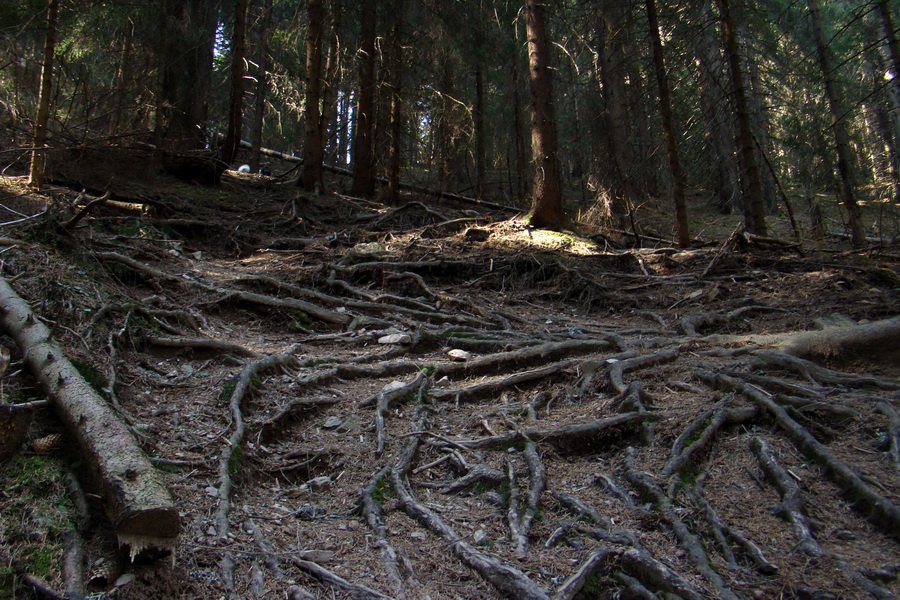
<point x="137" y="501"/>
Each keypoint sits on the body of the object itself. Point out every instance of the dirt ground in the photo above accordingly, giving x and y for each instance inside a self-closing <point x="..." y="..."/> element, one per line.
<point x="613" y="421"/>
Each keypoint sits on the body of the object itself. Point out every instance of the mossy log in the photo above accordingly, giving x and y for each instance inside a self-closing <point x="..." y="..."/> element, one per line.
<point x="137" y="501"/>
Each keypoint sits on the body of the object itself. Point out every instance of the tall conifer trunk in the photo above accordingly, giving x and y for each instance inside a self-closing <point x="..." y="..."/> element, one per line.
<point x="392" y="191"/>
<point x="841" y="139"/>
<point x="364" y="115"/>
<point x="546" y="193"/>
<point x="260" y="35"/>
<point x="36" y="172"/>
<point x="754" y="204"/>
<point x="313" y="148"/>
<point x="236" y="108"/>
<point x="665" y="108"/>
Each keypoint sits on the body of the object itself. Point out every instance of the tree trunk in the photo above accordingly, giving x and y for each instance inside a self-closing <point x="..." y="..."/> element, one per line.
<point x="364" y="115"/>
<point x="615" y="199"/>
<point x="236" y="110"/>
<point x="719" y="120"/>
<point x="123" y="79"/>
<point x="841" y="139"/>
<point x="137" y="501"/>
<point x="261" y="35"/>
<point x="546" y="193"/>
<point x="392" y="191"/>
<point x="665" y="108"/>
<point x="754" y="204"/>
<point x="521" y="183"/>
<point x="893" y="49"/>
<point x="187" y="36"/>
<point x="313" y="148"/>
<point x="480" y="139"/>
<point x="36" y="174"/>
<point x="332" y="75"/>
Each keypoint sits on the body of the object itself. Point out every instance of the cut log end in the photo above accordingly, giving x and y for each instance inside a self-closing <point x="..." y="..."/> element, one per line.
<point x="146" y="545"/>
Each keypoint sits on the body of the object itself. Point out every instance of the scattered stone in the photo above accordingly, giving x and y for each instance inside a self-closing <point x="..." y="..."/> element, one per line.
<point x="442" y="382"/>
<point x="396" y="338"/>
<point x="419" y="535"/>
<point x="349" y="425"/>
<point x="212" y="492"/>
<point x="332" y="422"/>
<point x="459" y="355"/>
<point x="479" y="537"/>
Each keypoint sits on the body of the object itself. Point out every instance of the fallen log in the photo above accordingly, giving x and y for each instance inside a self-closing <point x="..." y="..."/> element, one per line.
<point x="137" y="501"/>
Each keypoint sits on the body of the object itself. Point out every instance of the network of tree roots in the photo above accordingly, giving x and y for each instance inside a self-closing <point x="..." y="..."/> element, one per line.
<point x="432" y="401"/>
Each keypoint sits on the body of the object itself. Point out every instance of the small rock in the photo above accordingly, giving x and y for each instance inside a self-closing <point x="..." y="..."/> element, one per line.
<point x="419" y="535"/>
<point x="332" y="422"/>
<point x="350" y="424"/>
<point x="479" y="537"/>
<point x="442" y="382"/>
<point x="319" y="483"/>
<point x="212" y="492"/>
<point x="459" y="355"/>
<point x="211" y="531"/>
<point x="124" y="580"/>
<point x="846" y="535"/>
<point x="396" y="338"/>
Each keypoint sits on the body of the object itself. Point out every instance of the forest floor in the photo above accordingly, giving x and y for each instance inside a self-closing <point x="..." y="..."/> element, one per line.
<point x="613" y="422"/>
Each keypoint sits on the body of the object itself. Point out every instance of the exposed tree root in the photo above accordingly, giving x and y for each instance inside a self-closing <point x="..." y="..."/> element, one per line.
<point x="203" y="343"/>
<point x="701" y="431"/>
<point x="893" y="430"/>
<point x="818" y="374"/>
<point x="690" y="542"/>
<point x="565" y="437"/>
<point x="876" y="507"/>
<point x="242" y="386"/>
<point x="287" y="303"/>
<point x="791" y="507"/>
<point x="520" y="522"/>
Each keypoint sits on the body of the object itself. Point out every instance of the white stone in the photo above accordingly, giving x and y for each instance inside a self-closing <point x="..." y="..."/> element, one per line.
<point x="459" y="355"/>
<point x="396" y="338"/>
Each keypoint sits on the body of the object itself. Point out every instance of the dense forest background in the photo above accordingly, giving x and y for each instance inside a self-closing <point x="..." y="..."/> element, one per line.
<point x="797" y="104"/>
<point x="427" y="299"/>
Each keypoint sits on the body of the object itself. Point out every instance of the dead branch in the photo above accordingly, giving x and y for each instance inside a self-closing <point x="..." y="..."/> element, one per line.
<point x="137" y="501"/>
<point x="71" y="223"/>
<point x="357" y="590"/>
<point x="203" y="343"/>
<point x="692" y="323"/>
<point x="791" y="507"/>
<point x="876" y="507"/>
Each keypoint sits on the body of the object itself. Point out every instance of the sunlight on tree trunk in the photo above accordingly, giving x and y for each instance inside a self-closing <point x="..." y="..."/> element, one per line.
<point x="38" y="157"/>
<point x="546" y="193"/>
